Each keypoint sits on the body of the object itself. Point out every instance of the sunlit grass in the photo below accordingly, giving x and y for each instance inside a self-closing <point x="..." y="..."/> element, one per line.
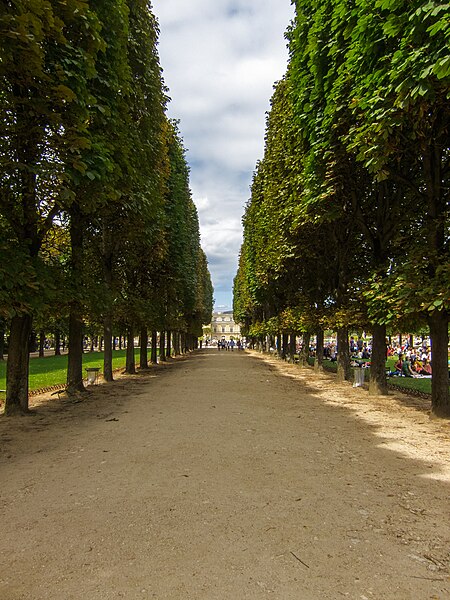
<point x="52" y="370"/>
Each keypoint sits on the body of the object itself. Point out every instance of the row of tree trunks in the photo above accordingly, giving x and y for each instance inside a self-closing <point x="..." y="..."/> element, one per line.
<point x="166" y="350"/>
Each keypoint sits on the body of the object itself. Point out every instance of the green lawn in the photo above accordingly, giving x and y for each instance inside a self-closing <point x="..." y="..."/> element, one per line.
<point x="51" y="370"/>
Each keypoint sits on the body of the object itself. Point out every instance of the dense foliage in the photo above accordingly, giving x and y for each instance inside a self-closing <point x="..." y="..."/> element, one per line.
<point x="348" y="222"/>
<point x="98" y="229"/>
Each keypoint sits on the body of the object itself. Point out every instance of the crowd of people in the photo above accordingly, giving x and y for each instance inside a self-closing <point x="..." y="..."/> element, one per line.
<point x="411" y="362"/>
<point x="229" y="345"/>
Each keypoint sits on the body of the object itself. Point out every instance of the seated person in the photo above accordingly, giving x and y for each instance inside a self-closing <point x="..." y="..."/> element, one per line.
<point x="406" y="369"/>
<point x="416" y="365"/>
<point x="398" y="367"/>
<point x="426" y="368"/>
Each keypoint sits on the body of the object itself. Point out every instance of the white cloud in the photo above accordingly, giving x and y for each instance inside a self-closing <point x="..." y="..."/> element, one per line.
<point x="220" y="60"/>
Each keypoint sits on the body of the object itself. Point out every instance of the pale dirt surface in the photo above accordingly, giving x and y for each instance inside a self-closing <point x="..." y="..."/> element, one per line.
<point x="225" y="476"/>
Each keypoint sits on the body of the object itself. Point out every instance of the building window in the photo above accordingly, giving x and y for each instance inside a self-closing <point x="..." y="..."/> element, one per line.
<point x="223" y="329"/>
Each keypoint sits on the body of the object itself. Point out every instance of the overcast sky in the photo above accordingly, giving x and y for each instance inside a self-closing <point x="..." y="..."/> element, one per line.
<point x="220" y="61"/>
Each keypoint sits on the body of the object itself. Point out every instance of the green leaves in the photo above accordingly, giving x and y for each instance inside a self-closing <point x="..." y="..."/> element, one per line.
<point x="442" y="68"/>
<point x="349" y="141"/>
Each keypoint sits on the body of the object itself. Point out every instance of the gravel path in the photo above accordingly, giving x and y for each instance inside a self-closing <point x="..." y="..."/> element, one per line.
<point x="225" y="476"/>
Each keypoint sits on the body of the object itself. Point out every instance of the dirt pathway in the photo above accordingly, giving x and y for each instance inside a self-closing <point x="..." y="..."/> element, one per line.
<point x="225" y="476"/>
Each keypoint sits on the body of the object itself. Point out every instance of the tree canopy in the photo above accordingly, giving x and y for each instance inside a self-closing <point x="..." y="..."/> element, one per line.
<point x="97" y="222"/>
<point x="348" y="223"/>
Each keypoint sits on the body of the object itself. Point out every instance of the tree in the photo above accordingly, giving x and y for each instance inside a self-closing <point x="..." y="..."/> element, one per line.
<point x="401" y="110"/>
<point x="38" y="55"/>
<point x="357" y="152"/>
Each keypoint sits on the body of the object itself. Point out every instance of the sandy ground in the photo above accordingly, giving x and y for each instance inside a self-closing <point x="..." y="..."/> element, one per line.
<point x="225" y="476"/>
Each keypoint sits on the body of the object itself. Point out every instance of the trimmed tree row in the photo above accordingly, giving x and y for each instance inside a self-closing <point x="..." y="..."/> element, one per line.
<point x="97" y="222"/>
<point x="348" y="222"/>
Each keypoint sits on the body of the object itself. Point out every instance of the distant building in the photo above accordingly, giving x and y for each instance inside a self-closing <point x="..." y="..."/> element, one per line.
<point x="223" y="326"/>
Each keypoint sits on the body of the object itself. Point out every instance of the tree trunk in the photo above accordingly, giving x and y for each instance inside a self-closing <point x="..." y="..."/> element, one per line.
<point x="284" y="345"/>
<point x="17" y="366"/>
<point x="2" y="339"/>
<point x="57" y="343"/>
<point x="278" y="344"/>
<point x="107" y="264"/>
<point x="343" y="358"/>
<point x="292" y="345"/>
<point x="75" y="355"/>
<point x="143" y="355"/>
<point x="130" y="365"/>
<point x="378" y="383"/>
<point x="28" y="223"/>
<point x="32" y="342"/>
<point x="434" y="161"/>
<point x="440" y="401"/>
<point x="108" y="354"/>
<point x="154" y="352"/>
<point x="169" y="344"/>
<point x="176" y="343"/>
<point x="41" y="343"/>
<point x="320" y="341"/>
<point x="304" y="353"/>
<point x="162" y="346"/>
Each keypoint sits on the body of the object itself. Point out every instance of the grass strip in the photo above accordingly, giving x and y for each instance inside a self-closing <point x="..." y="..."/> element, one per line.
<point x="52" y="370"/>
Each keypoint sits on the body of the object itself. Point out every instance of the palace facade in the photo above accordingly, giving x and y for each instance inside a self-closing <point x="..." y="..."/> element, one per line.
<point x="223" y="326"/>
